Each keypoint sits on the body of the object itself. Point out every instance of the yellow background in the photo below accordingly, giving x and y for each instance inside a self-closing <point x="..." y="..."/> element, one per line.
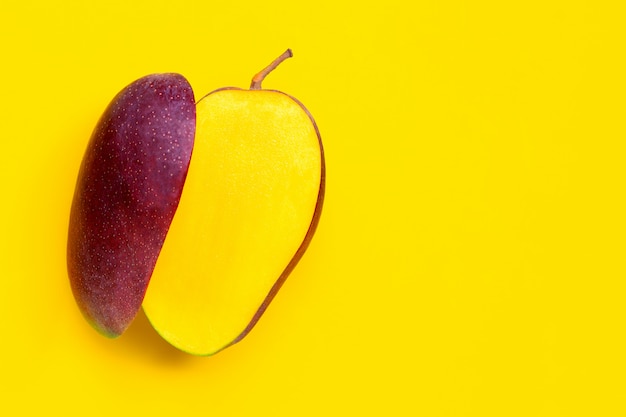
<point x="470" y="257"/>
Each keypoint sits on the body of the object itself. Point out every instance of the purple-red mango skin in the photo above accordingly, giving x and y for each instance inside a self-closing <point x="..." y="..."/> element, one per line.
<point x="127" y="192"/>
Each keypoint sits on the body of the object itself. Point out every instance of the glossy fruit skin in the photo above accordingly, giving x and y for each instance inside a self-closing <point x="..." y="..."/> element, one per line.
<point x="127" y="192"/>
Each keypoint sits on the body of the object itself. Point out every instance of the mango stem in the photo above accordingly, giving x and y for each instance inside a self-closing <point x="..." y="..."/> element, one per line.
<point x="259" y="77"/>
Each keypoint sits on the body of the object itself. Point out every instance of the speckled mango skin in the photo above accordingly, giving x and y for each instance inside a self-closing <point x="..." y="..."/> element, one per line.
<point x="127" y="192"/>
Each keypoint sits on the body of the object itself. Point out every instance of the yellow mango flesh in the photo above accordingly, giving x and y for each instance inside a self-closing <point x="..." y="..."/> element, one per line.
<point x="249" y="199"/>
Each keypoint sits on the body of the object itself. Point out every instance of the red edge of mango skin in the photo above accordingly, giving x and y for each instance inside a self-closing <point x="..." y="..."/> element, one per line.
<point x="77" y="250"/>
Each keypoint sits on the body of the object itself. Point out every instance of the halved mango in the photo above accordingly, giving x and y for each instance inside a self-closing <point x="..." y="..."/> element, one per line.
<point x="251" y="203"/>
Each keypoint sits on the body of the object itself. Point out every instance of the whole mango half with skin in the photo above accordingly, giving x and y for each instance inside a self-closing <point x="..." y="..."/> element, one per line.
<point x="127" y="192"/>
<point x="205" y="242"/>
